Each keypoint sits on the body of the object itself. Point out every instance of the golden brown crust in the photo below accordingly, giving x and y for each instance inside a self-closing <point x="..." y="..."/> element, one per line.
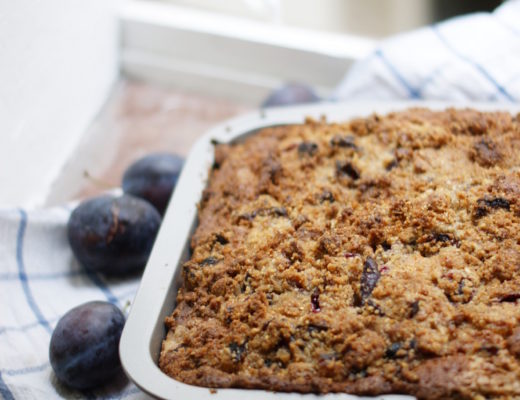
<point x="376" y="256"/>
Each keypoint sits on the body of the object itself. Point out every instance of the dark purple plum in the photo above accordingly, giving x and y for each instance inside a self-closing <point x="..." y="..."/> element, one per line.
<point x="113" y="235"/>
<point x="84" y="348"/>
<point x="291" y="93"/>
<point x="153" y="178"/>
<point x="369" y="278"/>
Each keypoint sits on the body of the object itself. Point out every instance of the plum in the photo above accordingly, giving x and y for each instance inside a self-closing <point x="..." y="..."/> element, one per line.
<point x="113" y="235"/>
<point x="153" y="178"/>
<point x="291" y="93"/>
<point x="84" y="347"/>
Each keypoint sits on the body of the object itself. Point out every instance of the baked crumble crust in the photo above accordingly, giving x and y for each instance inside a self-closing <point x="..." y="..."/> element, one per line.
<point x="380" y="255"/>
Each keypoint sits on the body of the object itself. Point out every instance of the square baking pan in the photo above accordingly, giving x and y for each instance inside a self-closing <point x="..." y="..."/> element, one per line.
<point x="155" y="299"/>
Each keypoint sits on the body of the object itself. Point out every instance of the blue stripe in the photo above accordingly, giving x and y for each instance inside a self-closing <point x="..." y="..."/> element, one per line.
<point x="412" y="92"/>
<point x="127" y="293"/>
<point x="23" y="276"/>
<point x="104" y="288"/>
<point x="429" y="79"/>
<point x="511" y="81"/>
<point x="476" y="65"/>
<point x="41" y="277"/>
<point x="5" y="392"/>
<point x="26" y="327"/>
<point x="22" y="328"/>
<point x="25" y="371"/>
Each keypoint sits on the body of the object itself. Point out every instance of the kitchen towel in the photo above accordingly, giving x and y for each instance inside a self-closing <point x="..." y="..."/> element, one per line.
<point x="474" y="57"/>
<point x="39" y="282"/>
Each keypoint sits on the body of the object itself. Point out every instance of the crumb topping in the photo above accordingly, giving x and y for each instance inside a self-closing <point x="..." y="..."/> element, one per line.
<point x="381" y="255"/>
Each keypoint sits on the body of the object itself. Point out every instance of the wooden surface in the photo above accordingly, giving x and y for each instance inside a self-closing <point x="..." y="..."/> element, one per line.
<point x="139" y="119"/>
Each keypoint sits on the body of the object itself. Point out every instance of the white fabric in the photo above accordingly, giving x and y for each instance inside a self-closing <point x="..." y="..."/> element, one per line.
<point x="39" y="282"/>
<point x="474" y="57"/>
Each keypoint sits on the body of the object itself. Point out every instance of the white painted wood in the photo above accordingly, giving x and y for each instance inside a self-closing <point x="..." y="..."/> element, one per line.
<point x="230" y="56"/>
<point x="222" y="82"/>
<point x="58" y="61"/>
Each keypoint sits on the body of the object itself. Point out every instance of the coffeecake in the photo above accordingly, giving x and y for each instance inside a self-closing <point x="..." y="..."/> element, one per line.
<point x="380" y="255"/>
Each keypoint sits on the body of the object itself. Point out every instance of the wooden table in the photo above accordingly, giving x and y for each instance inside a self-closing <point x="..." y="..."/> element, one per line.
<point x="138" y="119"/>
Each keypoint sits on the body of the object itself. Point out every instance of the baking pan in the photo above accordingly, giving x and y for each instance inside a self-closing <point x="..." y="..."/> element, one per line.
<point x="155" y="299"/>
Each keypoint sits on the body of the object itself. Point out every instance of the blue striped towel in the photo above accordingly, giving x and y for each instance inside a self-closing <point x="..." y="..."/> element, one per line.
<point x="39" y="282"/>
<point x="474" y="57"/>
<point x="468" y="58"/>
